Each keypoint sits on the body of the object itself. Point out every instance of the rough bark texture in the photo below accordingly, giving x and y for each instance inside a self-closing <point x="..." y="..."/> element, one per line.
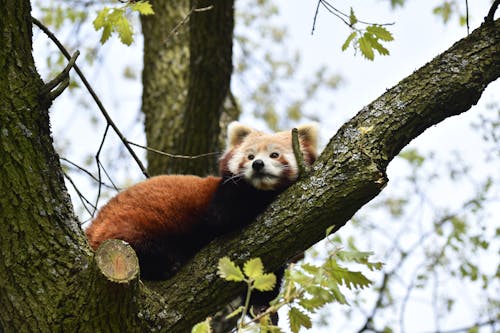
<point x="49" y="280"/>
<point x="187" y="70"/>
<point x="37" y="228"/>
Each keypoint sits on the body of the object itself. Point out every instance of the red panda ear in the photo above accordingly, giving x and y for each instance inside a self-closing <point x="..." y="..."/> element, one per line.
<point x="236" y="133"/>
<point x="308" y="135"/>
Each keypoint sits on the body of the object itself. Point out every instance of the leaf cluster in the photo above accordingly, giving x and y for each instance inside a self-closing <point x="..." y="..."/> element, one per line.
<point x="312" y="287"/>
<point x="115" y="20"/>
<point x="307" y="288"/>
<point x="367" y="40"/>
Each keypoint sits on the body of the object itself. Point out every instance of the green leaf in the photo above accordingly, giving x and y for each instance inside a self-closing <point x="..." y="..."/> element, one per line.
<point x="101" y="19"/>
<point x="360" y="258"/>
<point x="203" y="327"/>
<point x="319" y="298"/>
<point x="377" y="46"/>
<point x="387" y="329"/>
<point x="320" y="295"/>
<point x="352" y="18"/>
<point x="395" y="3"/>
<point x="297" y="319"/>
<point x="265" y="282"/>
<point x="253" y="268"/>
<point x="143" y="7"/>
<point x="106" y="33"/>
<point x="474" y="329"/>
<point x="352" y="280"/>
<point x="413" y="157"/>
<point x="344" y="47"/>
<point x="229" y="271"/>
<point x="235" y="312"/>
<point x="301" y="278"/>
<point x="337" y="294"/>
<point x="444" y="11"/>
<point x="380" y="32"/>
<point x="309" y="268"/>
<point x="365" y="47"/>
<point x="270" y="329"/>
<point x="124" y="30"/>
<point x="462" y="20"/>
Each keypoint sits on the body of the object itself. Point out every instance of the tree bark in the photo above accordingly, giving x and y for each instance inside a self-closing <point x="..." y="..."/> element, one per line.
<point x="41" y="254"/>
<point x="187" y="70"/>
<point x="49" y="279"/>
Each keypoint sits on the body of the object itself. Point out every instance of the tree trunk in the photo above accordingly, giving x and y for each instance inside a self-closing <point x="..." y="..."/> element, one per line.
<point x="40" y="242"/>
<point x="186" y="75"/>
<point x="49" y="279"/>
<point x="49" y="282"/>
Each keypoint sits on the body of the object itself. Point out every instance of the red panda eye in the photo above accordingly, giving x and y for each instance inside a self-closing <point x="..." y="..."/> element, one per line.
<point x="251" y="157"/>
<point x="274" y="155"/>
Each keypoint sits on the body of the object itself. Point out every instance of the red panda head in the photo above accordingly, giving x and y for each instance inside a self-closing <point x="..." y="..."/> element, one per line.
<point x="266" y="161"/>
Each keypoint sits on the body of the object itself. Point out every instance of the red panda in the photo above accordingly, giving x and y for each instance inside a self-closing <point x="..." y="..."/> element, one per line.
<point x="167" y="219"/>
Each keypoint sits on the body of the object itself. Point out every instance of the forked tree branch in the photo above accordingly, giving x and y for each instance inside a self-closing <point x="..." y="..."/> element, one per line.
<point x="349" y="173"/>
<point x="57" y="85"/>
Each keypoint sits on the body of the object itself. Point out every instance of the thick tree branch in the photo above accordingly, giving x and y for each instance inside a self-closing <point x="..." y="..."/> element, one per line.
<point x="349" y="173"/>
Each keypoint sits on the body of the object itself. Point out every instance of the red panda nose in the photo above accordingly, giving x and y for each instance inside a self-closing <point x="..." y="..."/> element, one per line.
<point x="258" y="165"/>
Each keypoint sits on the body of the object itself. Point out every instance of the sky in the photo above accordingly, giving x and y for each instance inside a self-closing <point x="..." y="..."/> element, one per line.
<point x="419" y="36"/>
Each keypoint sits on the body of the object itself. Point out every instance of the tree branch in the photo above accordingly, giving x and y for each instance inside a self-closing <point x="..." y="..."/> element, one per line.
<point x="491" y="12"/>
<point x="57" y="85"/>
<point x="349" y="173"/>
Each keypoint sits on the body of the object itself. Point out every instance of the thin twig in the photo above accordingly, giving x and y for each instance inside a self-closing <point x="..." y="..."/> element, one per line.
<point x="80" y="168"/>
<point x="185" y="19"/>
<point x="378" y="303"/>
<point x="108" y="176"/>
<point x="467" y="16"/>
<point x="187" y="157"/>
<point x="98" y="162"/>
<point x="315" y="16"/>
<point x="92" y="93"/>
<point x="83" y="199"/>
<point x="341" y="14"/>
<point x="335" y="12"/>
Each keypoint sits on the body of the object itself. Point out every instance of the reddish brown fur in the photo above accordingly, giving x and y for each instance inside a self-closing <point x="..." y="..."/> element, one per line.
<point x="163" y="204"/>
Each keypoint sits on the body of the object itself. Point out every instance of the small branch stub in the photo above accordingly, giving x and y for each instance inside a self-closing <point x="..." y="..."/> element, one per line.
<point x="56" y="86"/>
<point x="117" y="261"/>
<point x="298" y="153"/>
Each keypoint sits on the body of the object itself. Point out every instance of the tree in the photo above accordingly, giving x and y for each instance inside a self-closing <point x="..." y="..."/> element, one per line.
<point x="51" y="280"/>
